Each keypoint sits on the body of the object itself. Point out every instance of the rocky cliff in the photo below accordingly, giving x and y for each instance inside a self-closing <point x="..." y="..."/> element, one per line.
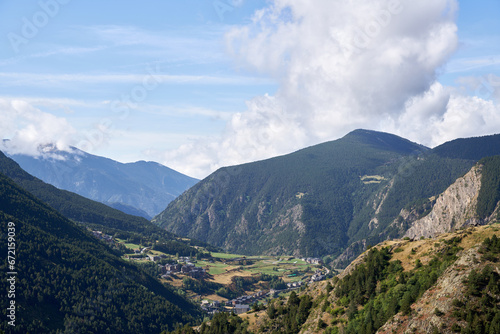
<point x="454" y="208"/>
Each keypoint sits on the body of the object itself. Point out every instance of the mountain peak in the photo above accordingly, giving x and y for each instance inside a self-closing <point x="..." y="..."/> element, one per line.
<point x="385" y="141"/>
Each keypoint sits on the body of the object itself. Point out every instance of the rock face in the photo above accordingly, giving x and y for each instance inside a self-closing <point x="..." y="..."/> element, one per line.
<point x="454" y="208"/>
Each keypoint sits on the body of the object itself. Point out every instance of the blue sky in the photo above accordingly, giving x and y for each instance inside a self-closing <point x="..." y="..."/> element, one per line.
<point x="200" y="84"/>
<point x="479" y="32"/>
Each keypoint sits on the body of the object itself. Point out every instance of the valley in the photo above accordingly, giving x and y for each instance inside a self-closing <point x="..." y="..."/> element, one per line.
<point x="351" y="236"/>
<point x="227" y="279"/>
<point x="250" y="167"/>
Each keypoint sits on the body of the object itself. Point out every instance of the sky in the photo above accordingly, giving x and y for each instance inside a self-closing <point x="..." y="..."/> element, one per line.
<point x="201" y="84"/>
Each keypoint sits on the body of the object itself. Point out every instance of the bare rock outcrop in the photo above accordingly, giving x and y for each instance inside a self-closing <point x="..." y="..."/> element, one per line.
<point x="454" y="208"/>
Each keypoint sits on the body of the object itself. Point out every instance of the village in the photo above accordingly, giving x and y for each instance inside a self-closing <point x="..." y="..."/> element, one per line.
<point x="241" y="304"/>
<point x="102" y="236"/>
<point x="187" y="268"/>
<point x="174" y="270"/>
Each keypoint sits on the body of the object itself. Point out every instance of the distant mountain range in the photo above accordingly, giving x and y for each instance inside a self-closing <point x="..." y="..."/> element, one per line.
<point x="95" y="215"/>
<point x="326" y="200"/>
<point x="141" y="188"/>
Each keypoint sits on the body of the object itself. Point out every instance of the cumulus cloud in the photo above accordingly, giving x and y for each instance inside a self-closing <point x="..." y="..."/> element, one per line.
<point x="343" y="65"/>
<point x="442" y="114"/>
<point x="28" y="129"/>
<point x="467" y="116"/>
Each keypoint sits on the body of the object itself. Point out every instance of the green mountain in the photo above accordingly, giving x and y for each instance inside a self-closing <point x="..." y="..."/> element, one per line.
<point x="474" y="148"/>
<point x="300" y="204"/>
<point x="68" y="281"/>
<point x="322" y="199"/>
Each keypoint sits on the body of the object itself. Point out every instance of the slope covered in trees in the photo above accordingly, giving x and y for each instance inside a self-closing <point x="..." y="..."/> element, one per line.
<point x="67" y="281"/>
<point x="474" y="148"/>
<point x="300" y="204"/>
<point x="448" y="284"/>
<point x="322" y="199"/>
<point x="427" y="175"/>
<point x="489" y="195"/>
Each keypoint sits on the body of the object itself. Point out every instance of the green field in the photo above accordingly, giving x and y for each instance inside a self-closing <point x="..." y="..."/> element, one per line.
<point x="133" y="246"/>
<point x="279" y="266"/>
<point x="226" y="256"/>
<point x="216" y="268"/>
<point x="294" y="261"/>
<point x="128" y="245"/>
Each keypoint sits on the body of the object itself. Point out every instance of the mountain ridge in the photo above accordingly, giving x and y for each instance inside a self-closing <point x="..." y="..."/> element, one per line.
<point x="95" y="215"/>
<point x="72" y="206"/>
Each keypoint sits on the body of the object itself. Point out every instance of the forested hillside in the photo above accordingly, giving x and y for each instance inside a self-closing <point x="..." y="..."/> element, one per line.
<point x="428" y="175"/>
<point x="489" y="194"/>
<point x="301" y="203"/>
<point x="68" y="281"/>
<point x="322" y="199"/>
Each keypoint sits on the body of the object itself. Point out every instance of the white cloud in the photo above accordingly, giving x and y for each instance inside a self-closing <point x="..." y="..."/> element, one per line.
<point x="442" y="114"/>
<point x="342" y="65"/>
<point x="486" y="87"/>
<point x="467" y="116"/>
<point x="29" y="128"/>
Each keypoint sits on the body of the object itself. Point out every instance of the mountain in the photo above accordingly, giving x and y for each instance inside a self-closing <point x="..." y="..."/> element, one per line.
<point x="471" y="200"/>
<point x="140" y="188"/>
<point x="79" y="208"/>
<point x="474" y="148"/>
<point x="61" y="279"/>
<point x="300" y="204"/>
<point x="330" y="199"/>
